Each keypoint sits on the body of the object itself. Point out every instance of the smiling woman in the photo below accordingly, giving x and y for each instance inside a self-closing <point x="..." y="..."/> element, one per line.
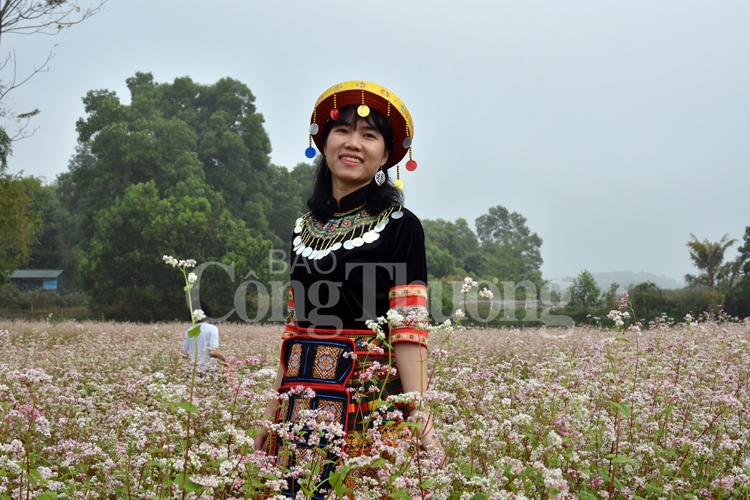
<point x="358" y="256"/>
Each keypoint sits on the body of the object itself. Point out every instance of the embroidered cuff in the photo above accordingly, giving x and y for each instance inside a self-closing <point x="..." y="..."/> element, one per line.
<point x="408" y="317"/>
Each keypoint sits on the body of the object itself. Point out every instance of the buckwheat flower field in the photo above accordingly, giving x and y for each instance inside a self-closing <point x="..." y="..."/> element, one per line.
<point x="98" y="410"/>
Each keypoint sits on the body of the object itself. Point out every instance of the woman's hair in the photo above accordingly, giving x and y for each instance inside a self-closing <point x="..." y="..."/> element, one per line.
<point x="322" y="204"/>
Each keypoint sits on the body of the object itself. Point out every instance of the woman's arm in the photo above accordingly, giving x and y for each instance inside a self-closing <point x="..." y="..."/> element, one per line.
<point x="411" y="361"/>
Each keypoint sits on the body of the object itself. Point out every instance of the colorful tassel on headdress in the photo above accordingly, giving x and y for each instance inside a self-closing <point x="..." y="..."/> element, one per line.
<point x="398" y="183"/>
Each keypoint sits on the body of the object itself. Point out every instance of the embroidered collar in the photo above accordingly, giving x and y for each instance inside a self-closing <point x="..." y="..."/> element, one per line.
<point x="348" y="230"/>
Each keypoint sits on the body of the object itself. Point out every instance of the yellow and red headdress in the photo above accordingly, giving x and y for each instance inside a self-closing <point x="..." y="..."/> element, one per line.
<point x="366" y="95"/>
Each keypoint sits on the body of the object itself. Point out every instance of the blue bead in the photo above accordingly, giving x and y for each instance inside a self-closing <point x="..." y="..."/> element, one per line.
<point x="310" y="152"/>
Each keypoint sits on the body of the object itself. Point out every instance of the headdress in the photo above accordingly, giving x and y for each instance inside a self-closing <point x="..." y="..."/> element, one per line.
<point x="367" y="95"/>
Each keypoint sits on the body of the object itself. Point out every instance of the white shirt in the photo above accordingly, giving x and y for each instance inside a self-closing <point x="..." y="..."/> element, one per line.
<point x="207" y="339"/>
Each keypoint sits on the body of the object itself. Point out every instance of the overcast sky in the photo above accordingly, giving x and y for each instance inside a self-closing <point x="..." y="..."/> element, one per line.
<point x="615" y="128"/>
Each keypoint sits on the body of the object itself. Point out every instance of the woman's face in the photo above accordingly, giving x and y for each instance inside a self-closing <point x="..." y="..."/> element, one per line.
<point x="354" y="154"/>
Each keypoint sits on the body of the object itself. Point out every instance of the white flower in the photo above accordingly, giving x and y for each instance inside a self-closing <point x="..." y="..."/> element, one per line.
<point x="198" y="315"/>
<point x="459" y="314"/>
<point x="191" y="278"/>
<point x="394" y="318"/>
<point x="468" y="285"/>
<point x="486" y="293"/>
<point x="170" y="260"/>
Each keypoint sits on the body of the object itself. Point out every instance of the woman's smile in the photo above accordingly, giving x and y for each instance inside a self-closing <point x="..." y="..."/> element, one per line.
<point x="350" y="160"/>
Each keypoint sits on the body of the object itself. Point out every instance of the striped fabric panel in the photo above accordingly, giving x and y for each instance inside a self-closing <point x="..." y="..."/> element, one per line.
<point x="409" y="301"/>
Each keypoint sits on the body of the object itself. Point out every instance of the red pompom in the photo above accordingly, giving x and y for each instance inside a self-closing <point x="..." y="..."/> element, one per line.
<point x="335" y="114"/>
<point x="411" y="165"/>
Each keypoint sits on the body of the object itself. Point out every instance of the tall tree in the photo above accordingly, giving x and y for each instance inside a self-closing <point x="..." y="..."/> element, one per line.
<point x="53" y="248"/>
<point x="20" y="220"/>
<point x="584" y="292"/>
<point x="122" y="266"/>
<point x="218" y="123"/>
<point x="512" y="250"/>
<point x="448" y="246"/>
<point x="708" y="257"/>
<point x="287" y="204"/>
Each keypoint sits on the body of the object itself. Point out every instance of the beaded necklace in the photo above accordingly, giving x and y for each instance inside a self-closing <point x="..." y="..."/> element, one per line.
<point x="347" y="230"/>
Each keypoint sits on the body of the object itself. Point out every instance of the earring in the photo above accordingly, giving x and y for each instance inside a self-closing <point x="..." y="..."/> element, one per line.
<point x="380" y="178"/>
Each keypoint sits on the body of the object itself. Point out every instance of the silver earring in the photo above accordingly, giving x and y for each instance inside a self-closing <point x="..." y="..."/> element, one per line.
<point x="380" y="178"/>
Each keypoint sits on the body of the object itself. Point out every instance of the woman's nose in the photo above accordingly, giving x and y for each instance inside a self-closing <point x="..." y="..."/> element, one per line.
<point x="353" y="141"/>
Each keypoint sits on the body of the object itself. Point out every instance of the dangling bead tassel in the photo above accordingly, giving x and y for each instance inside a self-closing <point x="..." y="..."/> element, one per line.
<point x="398" y="183"/>
<point x="335" y="112"/>
<point x="363" y="110"/>
<point x="411" y="165"/>
<point x="310" y="151"/>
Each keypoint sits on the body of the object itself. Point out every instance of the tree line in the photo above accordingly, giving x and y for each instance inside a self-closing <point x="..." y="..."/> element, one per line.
<point x="185" y="170"/>
<point x="719" y="289"/>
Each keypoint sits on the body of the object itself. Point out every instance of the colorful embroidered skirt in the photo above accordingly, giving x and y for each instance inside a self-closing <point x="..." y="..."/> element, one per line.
<point x="350" y="375"/>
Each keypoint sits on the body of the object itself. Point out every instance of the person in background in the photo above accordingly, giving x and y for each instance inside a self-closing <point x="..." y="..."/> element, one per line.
<point x="208" y="344"/>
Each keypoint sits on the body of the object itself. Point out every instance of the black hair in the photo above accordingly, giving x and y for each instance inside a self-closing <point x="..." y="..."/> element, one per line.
<point x="205" y="308"/>
<point x="322" y="204"/>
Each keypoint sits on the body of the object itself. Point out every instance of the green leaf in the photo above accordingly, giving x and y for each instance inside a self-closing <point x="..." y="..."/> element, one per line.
<point x="654" y="489"/>
<point x="186" y="483"/>
<point x="479" y="496"/>
<point x="194" y="331"/>
<point x="668" y="410"/>
<point x="621" y="460"/>
<point x="623" y="408"/>
<point x="188" y="407"/>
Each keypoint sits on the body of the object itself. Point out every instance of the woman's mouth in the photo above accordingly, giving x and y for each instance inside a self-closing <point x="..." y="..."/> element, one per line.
<point x="350" y="161"/>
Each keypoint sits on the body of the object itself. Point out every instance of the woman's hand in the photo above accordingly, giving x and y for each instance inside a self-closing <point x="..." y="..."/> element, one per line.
<point x="260" y="438"/>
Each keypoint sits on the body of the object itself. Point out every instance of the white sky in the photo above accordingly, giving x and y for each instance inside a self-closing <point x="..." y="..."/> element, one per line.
<point x="615" y="128"/>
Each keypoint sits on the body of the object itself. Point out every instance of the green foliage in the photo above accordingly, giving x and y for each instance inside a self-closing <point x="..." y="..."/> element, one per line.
<point x="440" y="262"/>
<point x="512" y="250"/>
<point x="446" y="245"/>
<point x="648" y="301"/>
<point x="708" y="257"/>
<point x="20" y="221"/>
<point x="287" y="198"/>
<point x="183" y="170"/>
<point x="12" y="298"/>
<point x="168" y="128"/>
<point x="508" y="251"/>
<point x="54" y="246"/>
<point x="585" y="293"/>
<point x="123" y="266"/>
<point x="610" y="298"/>
<point x="737" y="302"/>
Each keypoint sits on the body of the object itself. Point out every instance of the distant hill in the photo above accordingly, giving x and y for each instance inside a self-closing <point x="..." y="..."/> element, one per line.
<point x="627" y="278"/>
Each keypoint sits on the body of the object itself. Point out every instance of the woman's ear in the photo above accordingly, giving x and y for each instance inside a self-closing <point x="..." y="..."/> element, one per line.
<point x="386" y="154"/>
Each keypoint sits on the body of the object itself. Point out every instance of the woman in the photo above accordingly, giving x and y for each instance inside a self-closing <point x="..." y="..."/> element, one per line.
<point x="356" y="254"/>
